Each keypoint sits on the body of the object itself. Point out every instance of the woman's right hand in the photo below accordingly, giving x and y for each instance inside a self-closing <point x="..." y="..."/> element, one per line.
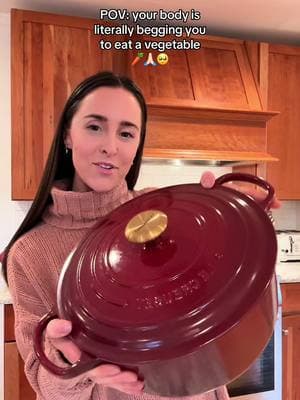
<point x="105" y="374"/>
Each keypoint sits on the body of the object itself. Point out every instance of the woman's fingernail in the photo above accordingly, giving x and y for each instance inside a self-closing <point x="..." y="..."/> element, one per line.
<point x="66" y="327"/>
<point x="207" y="179"/>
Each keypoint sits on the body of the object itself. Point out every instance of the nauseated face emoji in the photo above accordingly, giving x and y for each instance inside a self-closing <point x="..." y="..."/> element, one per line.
<point x="162" y="59"/>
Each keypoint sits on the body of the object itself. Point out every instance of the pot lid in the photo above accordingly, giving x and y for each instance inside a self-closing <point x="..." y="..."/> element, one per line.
<point x="168" y="272"/>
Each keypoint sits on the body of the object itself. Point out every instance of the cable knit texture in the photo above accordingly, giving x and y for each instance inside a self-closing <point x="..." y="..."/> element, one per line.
<point x="34" y="265"/>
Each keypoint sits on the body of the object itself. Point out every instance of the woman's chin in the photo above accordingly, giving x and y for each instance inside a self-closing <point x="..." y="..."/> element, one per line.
<point x="104" y="185"/>
<point x="97" y="184"/>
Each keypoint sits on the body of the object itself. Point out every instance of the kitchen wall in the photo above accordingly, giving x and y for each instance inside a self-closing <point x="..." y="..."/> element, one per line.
<point x="288" y="216"/>
<point x="160" y="174"/>
<point x="12" y="213"/>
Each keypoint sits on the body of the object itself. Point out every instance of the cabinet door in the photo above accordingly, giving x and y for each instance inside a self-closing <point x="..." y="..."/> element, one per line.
<point x="217" y="75"/>
<point x="16" y="386"/>
<point x="222" y="76"/>
<point x="168" y="84"/>
<point x="291" y="357"/>
<point x="290" y="298"/>
<point x="283" y="131"/>
<point x="51" y="54"/>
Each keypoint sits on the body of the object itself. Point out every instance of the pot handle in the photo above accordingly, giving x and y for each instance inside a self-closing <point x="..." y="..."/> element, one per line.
<point x="84" y="364"/>
<point x="242" y="177"/>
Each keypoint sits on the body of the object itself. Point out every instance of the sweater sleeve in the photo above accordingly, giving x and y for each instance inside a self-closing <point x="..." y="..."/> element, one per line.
<point x="28" y="309"/>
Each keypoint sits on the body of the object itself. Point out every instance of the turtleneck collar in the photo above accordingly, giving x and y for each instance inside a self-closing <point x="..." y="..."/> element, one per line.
<point x="75" y="210"/>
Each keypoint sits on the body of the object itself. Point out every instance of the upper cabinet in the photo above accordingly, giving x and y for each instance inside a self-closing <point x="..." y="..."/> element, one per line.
<point x="51" y="54"/>
<point x="165" y="84"/>
<point x="283" y="134"/>
<point x="222" y="75"/>
<point x="277" y="73"/>
<point x="216" y="76"/>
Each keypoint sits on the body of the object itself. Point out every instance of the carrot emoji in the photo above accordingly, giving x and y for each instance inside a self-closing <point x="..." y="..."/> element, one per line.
<point x="137" y="59"/>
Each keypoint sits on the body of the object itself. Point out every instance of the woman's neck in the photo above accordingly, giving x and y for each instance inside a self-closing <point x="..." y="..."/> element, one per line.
<point x="75" y="209"/>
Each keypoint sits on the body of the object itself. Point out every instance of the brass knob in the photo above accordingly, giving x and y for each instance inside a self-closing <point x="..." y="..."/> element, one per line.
<point x="146" y="226"/>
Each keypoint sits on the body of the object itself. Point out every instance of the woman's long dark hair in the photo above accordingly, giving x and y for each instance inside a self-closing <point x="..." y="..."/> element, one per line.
<point x="59" y="164"/>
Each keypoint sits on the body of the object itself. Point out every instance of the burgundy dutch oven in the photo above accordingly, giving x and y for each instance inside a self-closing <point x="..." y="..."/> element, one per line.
<point x="177" y="284"/>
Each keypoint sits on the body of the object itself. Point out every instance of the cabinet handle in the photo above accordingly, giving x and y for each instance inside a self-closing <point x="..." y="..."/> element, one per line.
<point x="285" y="332"/>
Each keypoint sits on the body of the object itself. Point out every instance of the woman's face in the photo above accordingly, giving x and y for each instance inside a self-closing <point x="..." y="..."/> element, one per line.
<point x="104" y="137"/>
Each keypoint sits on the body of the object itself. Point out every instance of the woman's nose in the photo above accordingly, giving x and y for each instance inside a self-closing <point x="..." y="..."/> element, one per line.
<point x="109" y="145"/>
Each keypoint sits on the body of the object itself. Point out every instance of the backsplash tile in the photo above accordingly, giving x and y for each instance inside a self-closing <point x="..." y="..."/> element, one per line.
<point x="287" y="216"/>
<point x="160" y="174"/>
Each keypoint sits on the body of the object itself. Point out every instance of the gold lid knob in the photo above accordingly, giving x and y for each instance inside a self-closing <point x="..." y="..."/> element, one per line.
<point x="146" y="226"/>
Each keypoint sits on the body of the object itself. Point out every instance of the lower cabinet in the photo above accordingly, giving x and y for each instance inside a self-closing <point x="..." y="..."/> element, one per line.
<point x="291" y="358"/>
<point x="16" y="386"/>
<point x="291" y="341"/>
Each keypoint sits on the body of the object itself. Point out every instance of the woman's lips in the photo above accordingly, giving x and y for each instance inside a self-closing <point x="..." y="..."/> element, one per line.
<point x="105" y="168"/>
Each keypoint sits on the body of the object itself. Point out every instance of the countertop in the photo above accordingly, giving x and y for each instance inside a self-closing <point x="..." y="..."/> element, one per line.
<point x="289" y="272"/>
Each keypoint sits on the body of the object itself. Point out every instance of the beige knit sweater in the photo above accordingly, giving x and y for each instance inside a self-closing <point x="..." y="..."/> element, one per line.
<point x="34" y="265"/>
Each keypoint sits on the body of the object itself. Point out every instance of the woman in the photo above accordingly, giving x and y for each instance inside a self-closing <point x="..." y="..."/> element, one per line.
<point x="92" y="168"/>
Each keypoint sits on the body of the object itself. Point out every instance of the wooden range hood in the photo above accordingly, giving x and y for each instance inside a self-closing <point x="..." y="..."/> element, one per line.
<point x="206" y="105"/>
<point x="214" y="136"/>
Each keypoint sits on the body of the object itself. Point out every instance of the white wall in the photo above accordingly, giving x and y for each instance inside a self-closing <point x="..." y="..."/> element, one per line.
<point x="288" y="216"/>
<point x="160" y="174"/>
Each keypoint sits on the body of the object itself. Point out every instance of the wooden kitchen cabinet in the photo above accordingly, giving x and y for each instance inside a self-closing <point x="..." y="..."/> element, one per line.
<point x="291" y="340"/>
<point x="283" y="136"/>
<point x="277" y="72"/>
<point x="216" y="76"/>
<point x="222" y="76"/>
<point x="16" y="386"/>
<point x="51" y="54"/>
<point x="168" y="84"/>
<point x="291" y="357"/>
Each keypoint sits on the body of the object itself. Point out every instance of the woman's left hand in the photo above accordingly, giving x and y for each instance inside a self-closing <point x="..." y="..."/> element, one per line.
<point x="208" y="180"/>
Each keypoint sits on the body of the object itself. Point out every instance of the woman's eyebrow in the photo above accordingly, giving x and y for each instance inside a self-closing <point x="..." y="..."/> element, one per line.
<point x="97" y="116"/>
<point x="104" y="119"/>
<point x="128" y="124"/>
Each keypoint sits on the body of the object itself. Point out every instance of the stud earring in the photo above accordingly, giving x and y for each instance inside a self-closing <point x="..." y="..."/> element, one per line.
<point x="67" y="150"/>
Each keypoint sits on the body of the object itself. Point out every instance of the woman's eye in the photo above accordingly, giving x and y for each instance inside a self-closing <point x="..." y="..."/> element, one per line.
<point x="94" y="128"/>
<point x="127" y="135"/>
